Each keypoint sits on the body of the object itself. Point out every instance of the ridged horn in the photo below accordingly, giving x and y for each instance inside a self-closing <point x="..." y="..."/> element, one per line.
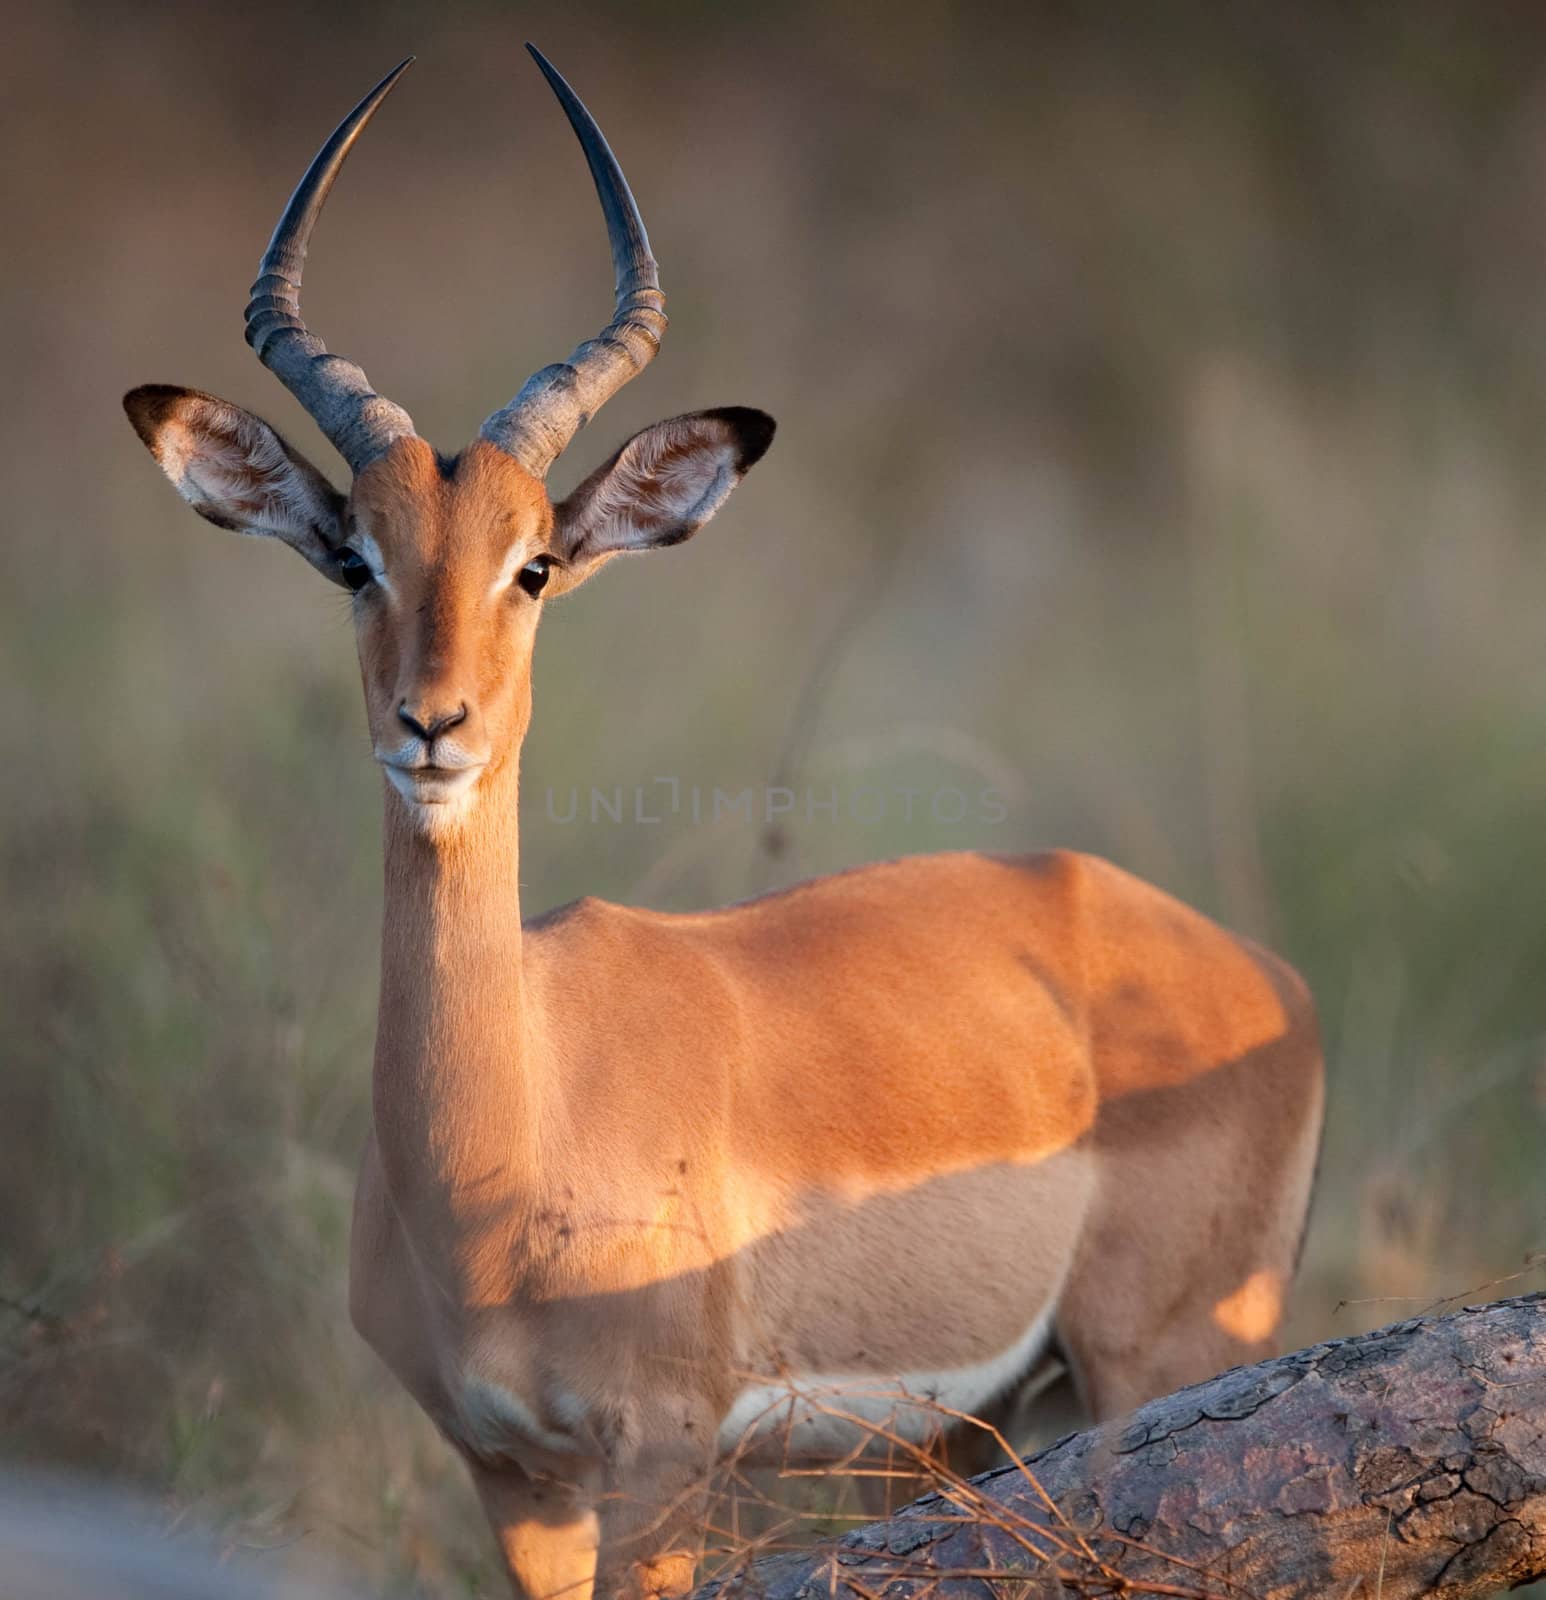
<point x="337" y="394"/>
<point x="558" y="401"/>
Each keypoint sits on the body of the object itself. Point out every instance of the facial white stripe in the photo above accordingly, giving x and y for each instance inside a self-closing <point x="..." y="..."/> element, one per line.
<point x="371" y="552"/>
<point x="515" y="559"/>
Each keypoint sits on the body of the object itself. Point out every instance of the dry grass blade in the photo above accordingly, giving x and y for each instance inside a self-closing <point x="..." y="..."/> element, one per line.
<point x="1054" y="1547"/>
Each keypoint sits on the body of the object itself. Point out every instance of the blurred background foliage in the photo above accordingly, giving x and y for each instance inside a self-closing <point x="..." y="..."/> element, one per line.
<point x="1161" y="392"/>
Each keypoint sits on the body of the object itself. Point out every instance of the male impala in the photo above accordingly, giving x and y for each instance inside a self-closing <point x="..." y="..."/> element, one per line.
<point x="909" y="1127"/>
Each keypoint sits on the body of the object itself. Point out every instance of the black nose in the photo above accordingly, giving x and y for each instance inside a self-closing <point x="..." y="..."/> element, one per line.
<point x="427" y="723"/>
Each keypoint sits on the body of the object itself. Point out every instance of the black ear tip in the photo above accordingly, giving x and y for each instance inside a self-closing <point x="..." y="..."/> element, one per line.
<point x="754" y="432"/>
<point x="147" y="407"/>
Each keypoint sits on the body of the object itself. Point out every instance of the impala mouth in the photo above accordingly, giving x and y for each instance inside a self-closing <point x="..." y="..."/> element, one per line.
<point x="428" y="785"/>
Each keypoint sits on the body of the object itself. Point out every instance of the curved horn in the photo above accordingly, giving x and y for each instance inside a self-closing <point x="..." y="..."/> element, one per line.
<point x="360" y="424"/>
<point x="558" y="401"/>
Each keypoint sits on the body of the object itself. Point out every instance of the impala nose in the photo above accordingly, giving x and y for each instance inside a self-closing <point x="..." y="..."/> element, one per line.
<point x="427" y="722"/>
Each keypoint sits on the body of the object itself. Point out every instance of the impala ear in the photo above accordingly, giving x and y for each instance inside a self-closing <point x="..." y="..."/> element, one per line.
<point x="661" y="487"/>
<point x="234" y="470"/>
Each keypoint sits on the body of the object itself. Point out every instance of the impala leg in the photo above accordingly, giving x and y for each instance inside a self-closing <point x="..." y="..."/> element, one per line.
<point x="652" y="1531"/>
<point x="547" y="1533"/>
<point x="1178" y="1278"/>
<point x="1150" y="1313"/>
<point x="1041" y="1408"/>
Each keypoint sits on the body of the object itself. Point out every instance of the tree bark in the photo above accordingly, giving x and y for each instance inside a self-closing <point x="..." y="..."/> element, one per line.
<point x="1411" y="1461"/>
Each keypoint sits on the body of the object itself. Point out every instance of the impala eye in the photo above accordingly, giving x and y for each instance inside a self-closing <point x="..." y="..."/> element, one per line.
<point x="533" y="577"/>
<point x="354" y="569"/>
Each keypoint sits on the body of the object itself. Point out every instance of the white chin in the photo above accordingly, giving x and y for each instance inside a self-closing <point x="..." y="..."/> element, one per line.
<point x="434" y="800"/>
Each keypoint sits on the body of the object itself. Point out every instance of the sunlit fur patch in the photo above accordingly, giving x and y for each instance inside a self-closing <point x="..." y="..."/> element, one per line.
<point x="1251" y="1313"/>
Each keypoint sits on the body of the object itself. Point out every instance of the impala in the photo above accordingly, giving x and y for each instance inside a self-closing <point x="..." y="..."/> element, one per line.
<point x="631" y="1174"/>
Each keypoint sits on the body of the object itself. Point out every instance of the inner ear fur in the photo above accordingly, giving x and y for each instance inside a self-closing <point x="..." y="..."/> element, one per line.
<point x="238" y="472"/>
<point x="662" y="485"/>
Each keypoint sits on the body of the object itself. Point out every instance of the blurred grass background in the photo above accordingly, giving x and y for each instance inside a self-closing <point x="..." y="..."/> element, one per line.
<point x="1161" y="392"/>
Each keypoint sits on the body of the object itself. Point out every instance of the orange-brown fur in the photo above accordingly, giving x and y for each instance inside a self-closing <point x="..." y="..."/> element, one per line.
<point x="624" y="1163"/>
<point x="637" y="1157"/>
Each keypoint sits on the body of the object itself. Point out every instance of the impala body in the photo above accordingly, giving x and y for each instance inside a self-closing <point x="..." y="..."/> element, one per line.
<point x="638" y="1183"/>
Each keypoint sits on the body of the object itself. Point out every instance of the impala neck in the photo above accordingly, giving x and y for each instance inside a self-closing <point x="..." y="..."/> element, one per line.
<point x="455" y="1096"/>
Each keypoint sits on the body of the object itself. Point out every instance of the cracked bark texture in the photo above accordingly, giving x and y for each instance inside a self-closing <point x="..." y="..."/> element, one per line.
<point x="1411" y="1461"/>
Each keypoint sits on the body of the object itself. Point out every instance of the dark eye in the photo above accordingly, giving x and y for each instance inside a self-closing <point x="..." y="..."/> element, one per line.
<point x="533" y="577"/>
<point x="353" y="568"/>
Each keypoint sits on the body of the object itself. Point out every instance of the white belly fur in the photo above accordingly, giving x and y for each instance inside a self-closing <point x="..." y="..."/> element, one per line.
<point x="914" y="1405"/>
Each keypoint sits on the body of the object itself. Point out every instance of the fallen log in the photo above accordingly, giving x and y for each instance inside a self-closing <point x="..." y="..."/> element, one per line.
<point x="1407" y="1462"/>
